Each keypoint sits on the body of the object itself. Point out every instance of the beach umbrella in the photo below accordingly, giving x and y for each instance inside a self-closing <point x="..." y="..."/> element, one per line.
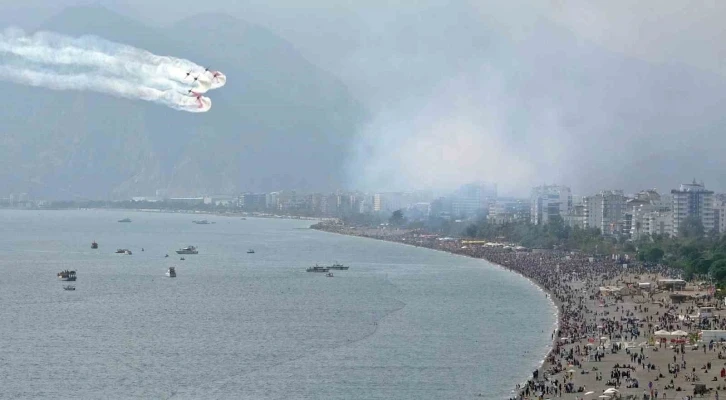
<point x="679" y="333"/>
<point x="662" y="333"/>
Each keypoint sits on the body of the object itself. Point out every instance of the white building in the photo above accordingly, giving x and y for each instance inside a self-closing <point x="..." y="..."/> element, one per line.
<point x="639" y="220"/>
<point x="651" y="214"/>
<point x="390" y="202"/>
<point x="692" y="199"/>
<point x="504" y="211"/>
<point x="548" y="201"/>
<point x="472" y="199"/>
<point x="719" y="213"/>
<point x="658" y="223"/>
<point x="605" y="211"/>
<point x="576" y="217"/>
<point x="272" y="200"/>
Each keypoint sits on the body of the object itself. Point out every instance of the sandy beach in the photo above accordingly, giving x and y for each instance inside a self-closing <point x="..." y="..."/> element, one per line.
<point x="619" y="334"/>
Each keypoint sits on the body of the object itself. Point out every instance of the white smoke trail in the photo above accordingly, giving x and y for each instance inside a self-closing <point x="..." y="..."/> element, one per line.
<point x="113" y="86"/>
<point x="90" y="63"/>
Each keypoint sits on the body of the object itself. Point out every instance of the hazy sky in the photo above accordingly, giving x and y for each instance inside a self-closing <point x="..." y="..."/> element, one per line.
<point x="587" y="93"/>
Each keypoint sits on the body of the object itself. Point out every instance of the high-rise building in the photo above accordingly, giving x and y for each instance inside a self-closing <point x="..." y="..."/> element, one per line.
<point x="391" y="201"/>
<point x="473" y="198"/>
<point x="719" y="212"/>
<point x="692" y="200"/>
<point x="576" y="216"/>
<point x="508" y="210"/>
<point x="272" y="200"/>
<point x="548" y="201"/>
<point x="605" y="211"/>
<point x="650" y="213"/>
<point x="254" y="201"/>
<point x="658" y="222"/>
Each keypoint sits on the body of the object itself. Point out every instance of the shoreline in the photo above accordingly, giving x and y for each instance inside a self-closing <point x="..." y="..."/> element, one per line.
<point x="555" y="304"/>
<point x="181" y="211"/>
<point x="611" y="313"/>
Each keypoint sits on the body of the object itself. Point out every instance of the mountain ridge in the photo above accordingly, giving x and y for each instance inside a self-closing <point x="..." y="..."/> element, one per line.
<point x="276" y="111"/>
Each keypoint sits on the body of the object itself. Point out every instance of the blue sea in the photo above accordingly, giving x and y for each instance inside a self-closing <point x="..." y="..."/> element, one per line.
<point x="401" y="323"/>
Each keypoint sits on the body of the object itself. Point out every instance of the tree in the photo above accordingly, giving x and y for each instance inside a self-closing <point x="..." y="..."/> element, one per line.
<point x="654" y="254"/>
<point x="397" y="218"/>
<point x="471" y="230"/>
<point x="718" y="270"/>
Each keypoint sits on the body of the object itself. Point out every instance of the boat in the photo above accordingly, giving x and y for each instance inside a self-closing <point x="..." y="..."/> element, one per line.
<point x="339" y="267"/>
<point x="171" y="272"/>
<point x="182" y="258"/>
<point x="188" y="250"/>
<point x="329" y="274"/>
<point x="202" y="222"/>
<point x="67" y="275"/>
<point x="250" y="251"/>
<point x="318" y="269"/>
<point x="94" y="245"/>
<point x="69" y="287"/>
<point x="125" y="220"/>
<point x="124" y="251"/>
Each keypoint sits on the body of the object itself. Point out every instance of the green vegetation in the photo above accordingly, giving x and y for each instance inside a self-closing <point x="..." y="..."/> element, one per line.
<point x="696" y="255"/>
<point x="397" y="218"/>
<point x="694" y="252"/>
<point x="553" y="235"/>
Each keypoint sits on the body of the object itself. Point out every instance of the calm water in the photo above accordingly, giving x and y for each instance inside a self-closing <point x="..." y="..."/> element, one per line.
<point x="402" y="323"/>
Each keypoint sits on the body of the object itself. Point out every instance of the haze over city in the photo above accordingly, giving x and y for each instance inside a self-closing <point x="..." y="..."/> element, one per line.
<point x="436" y="94"/>
<point x="363" y="200"/>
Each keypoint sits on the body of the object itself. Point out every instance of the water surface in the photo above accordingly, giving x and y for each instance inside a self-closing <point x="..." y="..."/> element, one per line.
<point x="402" y="323"/>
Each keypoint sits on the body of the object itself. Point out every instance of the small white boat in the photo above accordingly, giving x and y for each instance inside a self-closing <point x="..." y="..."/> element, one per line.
<point x="171" y="272"/>
<point x="329" y="274"/>
<point x="69" y="287"/>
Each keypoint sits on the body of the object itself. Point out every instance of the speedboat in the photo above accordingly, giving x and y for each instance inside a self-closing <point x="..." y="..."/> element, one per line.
<point x="69" y="287"/>
<point x="124" y="251"/>
<point x="202" y="222"/>
<point x="94" y="245"/>
<point x="250" y="251"/>
<point x="171" y="272"/>
<point x="125" y="220"/>
<point x="329" y="274"/>
<point x="188" y="250"/>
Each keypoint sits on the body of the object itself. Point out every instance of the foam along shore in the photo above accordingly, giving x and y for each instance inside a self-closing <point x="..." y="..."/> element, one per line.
<point x="625" y="330"/>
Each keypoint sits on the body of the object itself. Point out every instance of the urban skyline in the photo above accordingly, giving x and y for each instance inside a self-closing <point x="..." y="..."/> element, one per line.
<point x="612" y="211"/>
